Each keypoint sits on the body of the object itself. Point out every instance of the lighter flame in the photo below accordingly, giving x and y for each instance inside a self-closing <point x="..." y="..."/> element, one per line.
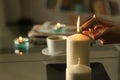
<point x="94" y="16"/>
<point x="78" y="24"/>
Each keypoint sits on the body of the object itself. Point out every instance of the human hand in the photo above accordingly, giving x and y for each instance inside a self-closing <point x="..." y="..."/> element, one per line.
<point x="106" y="33"/>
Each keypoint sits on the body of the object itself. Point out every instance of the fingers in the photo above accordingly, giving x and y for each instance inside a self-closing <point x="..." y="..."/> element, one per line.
<point x="98" y="27"/>
<point x="105" y="41"/>
<point x="102" y="41"/>
<point x="96" y="32"/>
<point x="88" y="33"/>
<point x="93" y="32"/>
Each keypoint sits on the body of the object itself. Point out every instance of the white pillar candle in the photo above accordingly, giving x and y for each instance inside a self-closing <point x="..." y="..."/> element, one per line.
<point x="78" y="72"/>
<point x="78" y="46"/>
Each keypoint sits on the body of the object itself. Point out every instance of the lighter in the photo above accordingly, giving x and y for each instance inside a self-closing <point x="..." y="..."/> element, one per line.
<point x="90" y="23"/>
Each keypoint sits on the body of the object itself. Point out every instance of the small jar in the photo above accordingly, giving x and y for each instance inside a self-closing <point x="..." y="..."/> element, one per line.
<point x="21" y="45"/>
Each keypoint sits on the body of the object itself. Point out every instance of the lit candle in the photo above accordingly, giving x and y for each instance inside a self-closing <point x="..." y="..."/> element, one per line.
<point x="20" y="39"/>
<point x="78" y="46"/>
<point x="78" y="72"/>
<point x="21" y="45"/>
<point x="59" y="28"/>
<point x="58" y="25"/>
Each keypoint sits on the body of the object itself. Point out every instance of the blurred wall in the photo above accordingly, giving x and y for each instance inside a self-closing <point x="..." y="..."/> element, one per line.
<point x="2" y="16"/>
<point x="12" y="10"/>
<point x="35" y="10"/>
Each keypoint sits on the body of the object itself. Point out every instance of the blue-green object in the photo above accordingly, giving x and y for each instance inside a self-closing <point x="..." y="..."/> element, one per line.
<point x="80" y="8"/>
<point x="60" y="29"/>
<point x="21" y="46"/>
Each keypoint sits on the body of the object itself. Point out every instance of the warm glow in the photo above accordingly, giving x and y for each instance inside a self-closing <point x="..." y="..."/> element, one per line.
<point x="20" y="39"/>
<point x="20" y="53"/>
<point x="78" y="24"/>
<point x="94" y="16"/>
<point x="58" y="25"/>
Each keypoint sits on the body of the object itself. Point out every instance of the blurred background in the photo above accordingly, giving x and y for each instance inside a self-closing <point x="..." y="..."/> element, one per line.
<point x="23" y="14"/>
<point x="17" y="17"/>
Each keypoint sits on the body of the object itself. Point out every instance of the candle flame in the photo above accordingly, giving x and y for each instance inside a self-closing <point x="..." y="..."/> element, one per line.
<point x="58" y="25"/>
<point x="20" y="39"/>
<point x="78" y="24"/>
<point x="94" y="16"/>
<point x="20" y="53"/>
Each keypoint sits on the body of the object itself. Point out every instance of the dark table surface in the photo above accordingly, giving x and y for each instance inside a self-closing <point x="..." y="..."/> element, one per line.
<point x="58" y="71"/>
